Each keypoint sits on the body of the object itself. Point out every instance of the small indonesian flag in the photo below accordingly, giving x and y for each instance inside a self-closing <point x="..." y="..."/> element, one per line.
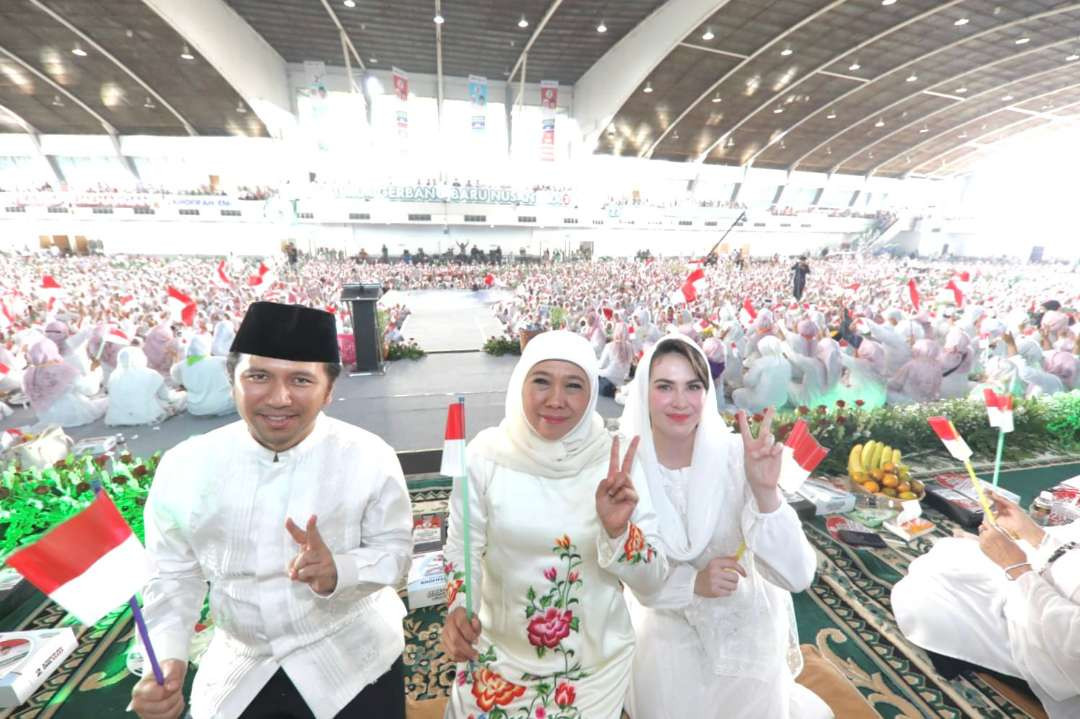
<point x="704" y="324"/>
<point x="913" y="291"/>
<point x="607" y="312"/>
<point x="9" y="438"/>
<point x="4" y="370"/>
<point x="801" y="456"/>
<point x="630" y="331"/>
<point x="945" y="431"/>
<point x="182" y="307"/>
<point x="854" y="286"/>
<point x="958" y="294"/>
<point x="89" y="564"/>
<point x="453" y="453"/>
<point x="126" y="301"/>
<point x="7" y="319"/>
<point x="999" y="409"/>
<point x="747" y="314"/>
<point x="688" y="292"/>
<point x="49" y="285"/>
<point x="489" y="279"/>
<point x="117" y="336"/>
<point x="263" y="280"/>
<point x="220" y="278"/>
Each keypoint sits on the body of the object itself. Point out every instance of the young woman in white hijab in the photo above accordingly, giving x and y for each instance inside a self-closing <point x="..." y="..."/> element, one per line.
<point x="719" y="638"/>
<point x="766" y="383"/>
<point x="559" y="522"/>
<point x="205" y="379"/>
<point x="138" y="394"/>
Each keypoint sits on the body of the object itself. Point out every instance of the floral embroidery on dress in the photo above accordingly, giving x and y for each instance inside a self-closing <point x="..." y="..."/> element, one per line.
<point x="636" y="550"/>
<point x="551" y="620"/>
<point x="454" y="581"/>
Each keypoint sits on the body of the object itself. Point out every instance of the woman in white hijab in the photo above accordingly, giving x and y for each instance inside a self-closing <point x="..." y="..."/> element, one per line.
<point x="224" y="332"/>
<point x="719" y="639"/>
<point x="205" y="379"/>
<point x="559" y="522"/>
<point x="138" y="394"/>
<point x="766" y="383"/>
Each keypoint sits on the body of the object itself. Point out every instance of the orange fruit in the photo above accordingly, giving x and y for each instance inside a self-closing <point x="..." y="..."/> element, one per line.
<point x="889" y="467"/>
<point x="907" y="495"/>
<point x="876" y="473"/>
<point x="871" y="486"/>
<point x="891" y="491"/>
<point x="889" y="480"/>
<point x="903" y="487"/>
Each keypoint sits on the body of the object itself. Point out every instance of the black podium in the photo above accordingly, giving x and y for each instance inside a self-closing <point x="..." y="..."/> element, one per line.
<point x="368" y="342"/>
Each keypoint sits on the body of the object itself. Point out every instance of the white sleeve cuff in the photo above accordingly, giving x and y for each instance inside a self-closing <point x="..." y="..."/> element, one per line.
<point x="608" y="549"/>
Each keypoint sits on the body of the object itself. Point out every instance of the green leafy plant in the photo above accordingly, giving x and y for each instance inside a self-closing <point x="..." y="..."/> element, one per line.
<point x="404" y="350"/>
<point x="503" y="345"/>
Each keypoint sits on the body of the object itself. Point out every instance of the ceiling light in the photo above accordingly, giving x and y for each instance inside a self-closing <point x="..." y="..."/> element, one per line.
<point x="880" y="122"/>
<point x="777" y="110"/>
<point x="1070" y="58"/>
<point x="961" y="90"/>
<point x="439" y="19"/>
<point x="648" y="87"/>
<point x="708" y="34"/>
<point x="523" y="23"/>
<point x="912" y="77"/>
<point x="373" y="60"/>
<point x="924" y="130"/>
<point x="871" y="156"/>
<point x="1007" y="98"/>
<point x="1023" y="40"/>
<point x="961" y="22"/>
<point x="854" y="66"/>
<point x="675" y="135"/>
<point x="57" y="102"/>
<point x="963" y="135"/>
<point x="350" y="3"/>
<point x="831" y="115"/>
<point x="240" y="107"/>
<point x="77" y="50"/>
<point x="888" y="2"/>
<point x="828" y="150"/>
<point x="149" y="104"/>
<point x="717" y="98"/>
<point x="730" y="142"/>
<point x="601" y="28"/>
<point x="786" y="51"/>
<point x="185" y="53"/>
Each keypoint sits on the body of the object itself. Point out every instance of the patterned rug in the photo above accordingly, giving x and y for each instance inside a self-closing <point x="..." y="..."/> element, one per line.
<point x="846" y="614"/>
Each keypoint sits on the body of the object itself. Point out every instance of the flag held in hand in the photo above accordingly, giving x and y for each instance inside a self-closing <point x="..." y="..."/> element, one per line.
<point x="999" y="409"/>
<point x="454" y="442"/>
<point x="947" y="433"/>
<point x="801" y="456"/>
<point x="89" y="564"/>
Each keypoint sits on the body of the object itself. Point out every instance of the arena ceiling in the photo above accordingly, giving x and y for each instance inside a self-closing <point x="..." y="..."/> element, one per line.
<point x="882" y="87"/>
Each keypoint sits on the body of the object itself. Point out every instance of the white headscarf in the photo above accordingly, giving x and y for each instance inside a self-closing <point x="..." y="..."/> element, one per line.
<point x="516" y="445"/>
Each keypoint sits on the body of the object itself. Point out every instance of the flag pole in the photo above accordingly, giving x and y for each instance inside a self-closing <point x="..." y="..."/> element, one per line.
<point x="468" y="524"/>
<point x="987" y="512"/>
<point x="997" y="457"/>
<point x="145" y="636"/>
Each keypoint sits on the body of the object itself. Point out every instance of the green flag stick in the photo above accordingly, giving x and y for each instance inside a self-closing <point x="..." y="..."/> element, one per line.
<point x="468" y="524"/>
<point x="997" y="458"/>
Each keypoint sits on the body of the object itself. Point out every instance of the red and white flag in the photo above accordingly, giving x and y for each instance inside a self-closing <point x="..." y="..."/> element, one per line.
<point x="4" y="370"/>
<point x="747" y="314"/>
<point x="89" y="564"/>
<point x="117" y="336"/>
<point x="262" y="280"/>
<point x="489" y="280"/>
<point x="127" y="301"/>
<point x="220" y="278"/>
<point x="49" y="286"/>
<point x="608" y="312"/>
<point x="182" y="307"/>
<point x="7" y="319"/>
<point x="453" y="454"/>
<point x="952" y="440"/>
<point x="958" y="294"/>
<point x="999" y="409"/>
<point x="688" y="292"/>
<point x="913" y="292"/>
<point x="801" y="456"/>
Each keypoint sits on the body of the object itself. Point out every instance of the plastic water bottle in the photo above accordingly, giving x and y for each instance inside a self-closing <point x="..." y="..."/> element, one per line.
<point x="1040" y="508"/>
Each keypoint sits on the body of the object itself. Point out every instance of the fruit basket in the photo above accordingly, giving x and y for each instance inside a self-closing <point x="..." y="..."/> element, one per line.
<point x="875" y="468"/>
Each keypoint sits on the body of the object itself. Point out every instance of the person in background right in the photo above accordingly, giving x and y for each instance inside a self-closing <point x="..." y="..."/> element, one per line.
<point x="1010" y="606"/>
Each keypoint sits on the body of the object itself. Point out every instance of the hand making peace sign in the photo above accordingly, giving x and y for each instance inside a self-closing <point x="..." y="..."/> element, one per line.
<point x="615" y="495"/>
<point x="761" y="456"/>
<point x="314" y="564"/>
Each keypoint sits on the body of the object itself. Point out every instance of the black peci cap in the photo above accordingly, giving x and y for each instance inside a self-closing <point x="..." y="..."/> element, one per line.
<point x="289" y="332"/>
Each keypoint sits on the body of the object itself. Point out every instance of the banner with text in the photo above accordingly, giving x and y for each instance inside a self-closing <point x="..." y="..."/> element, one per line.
<point x="478" y="91"/>
<point x="549" y="101"/>
<point x="401" y="90"/>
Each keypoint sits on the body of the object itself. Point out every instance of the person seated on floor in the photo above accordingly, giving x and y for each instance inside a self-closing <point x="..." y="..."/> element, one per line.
<point x="138" y="394"/>
<point x="1063" y="364"/>
<point x="615" y="361"/>
<point x="957" y="362"/>
<point x="1012" y="606"/>
<point x="162" y="349"/>
<point x="224" y="332"/>
<point x="72" y="347"/>
<point x="58" y="393"/>
<point x="865" y="374"/>
<point x="205" y="379"/>
<point x="718" y="639"/>
<point x="919" y="380"/>
<point x="766" y="383"/>
<point x="1027" y="355"/>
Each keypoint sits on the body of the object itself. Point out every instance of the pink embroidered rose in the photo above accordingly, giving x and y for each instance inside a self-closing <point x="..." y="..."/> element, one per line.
<point x="452" y="589"/>
<point x="550" y="628"/>
<point x="550" y="574"/>
<point x="565" y="695"/>
<point x="573" y="576"/>
<point x="541" y="713"/>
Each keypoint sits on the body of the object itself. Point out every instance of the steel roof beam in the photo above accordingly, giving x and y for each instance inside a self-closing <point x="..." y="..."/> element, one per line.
<point x="61" y="90"/>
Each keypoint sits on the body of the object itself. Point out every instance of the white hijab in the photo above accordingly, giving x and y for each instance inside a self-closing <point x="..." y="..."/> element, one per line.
<point x="713" y="443"/>
<point x="514" y="444"/>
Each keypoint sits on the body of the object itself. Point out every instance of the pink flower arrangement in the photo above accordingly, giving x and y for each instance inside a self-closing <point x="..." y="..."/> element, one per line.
<point x="550" y="628"/>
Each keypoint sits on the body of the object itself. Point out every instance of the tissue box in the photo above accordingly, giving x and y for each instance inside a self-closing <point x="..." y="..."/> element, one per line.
<point x="826" y="498"/>
<point x="427" y="581"/>
<point x="27" y="659"/>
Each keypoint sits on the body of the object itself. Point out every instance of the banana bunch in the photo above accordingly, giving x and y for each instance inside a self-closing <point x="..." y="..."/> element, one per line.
<point x="876" y="468"/>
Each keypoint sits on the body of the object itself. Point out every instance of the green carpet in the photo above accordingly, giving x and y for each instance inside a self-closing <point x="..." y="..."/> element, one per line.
<point x="846" y="614"/>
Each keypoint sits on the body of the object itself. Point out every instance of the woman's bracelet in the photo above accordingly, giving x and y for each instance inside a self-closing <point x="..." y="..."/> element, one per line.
<point x="1015" y="566"/>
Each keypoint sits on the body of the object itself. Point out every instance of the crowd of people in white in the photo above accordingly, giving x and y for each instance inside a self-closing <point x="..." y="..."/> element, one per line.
<point x="83" y="338"/>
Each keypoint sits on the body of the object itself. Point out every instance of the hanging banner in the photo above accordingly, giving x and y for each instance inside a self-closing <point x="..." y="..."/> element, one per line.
<point x="401" y="89"/>
<point x="478" y="90"/>
<point x="549" y="100"/>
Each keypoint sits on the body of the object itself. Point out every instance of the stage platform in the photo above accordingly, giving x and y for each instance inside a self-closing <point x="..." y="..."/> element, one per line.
<point x="449" y="320"/>
<point x="406" y="406"/>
